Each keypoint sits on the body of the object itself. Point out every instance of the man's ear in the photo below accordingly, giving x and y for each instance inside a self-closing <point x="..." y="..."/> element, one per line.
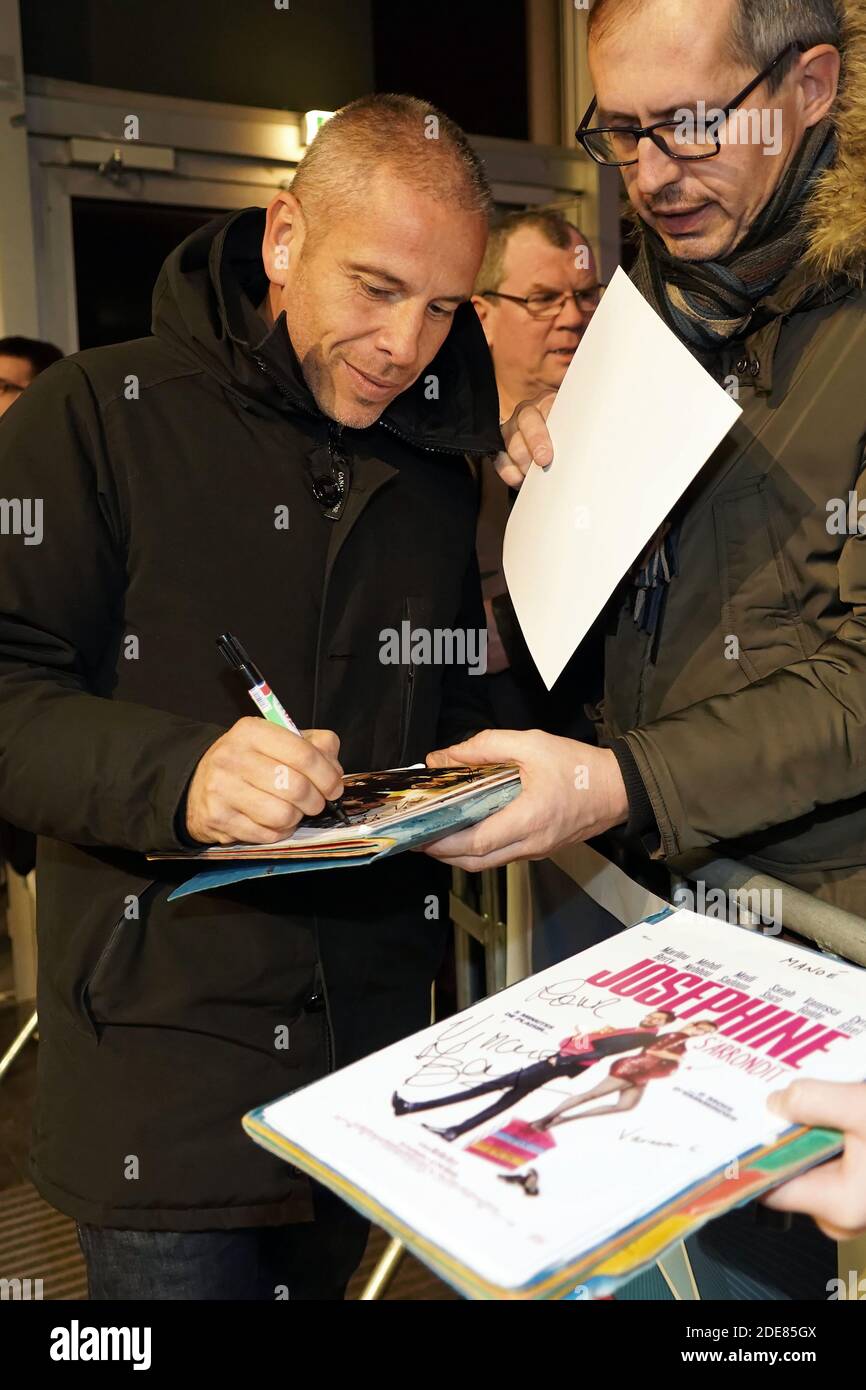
<point x="285" y="231"/>
<point x="482" y="309"/>
<point x="820" y="81"/>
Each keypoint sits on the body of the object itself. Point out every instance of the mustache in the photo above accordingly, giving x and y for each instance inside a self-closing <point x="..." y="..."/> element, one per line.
<point x="670" y="207"/>
<point x="386" y="377"/>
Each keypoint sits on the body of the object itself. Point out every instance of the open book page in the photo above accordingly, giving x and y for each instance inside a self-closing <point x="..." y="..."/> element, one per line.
<point x="534" y="1130"/>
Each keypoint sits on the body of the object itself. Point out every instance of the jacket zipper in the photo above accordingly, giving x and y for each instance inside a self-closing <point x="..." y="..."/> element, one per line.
<point x="335" y="429"/>
<point x="385" y="424"/>
<point x="287" y="395"/>
<point x="408" y="693"/>
<point x="329" y="1027"/>
<point x="416" y="444"/>
<point x="407" y="717"/>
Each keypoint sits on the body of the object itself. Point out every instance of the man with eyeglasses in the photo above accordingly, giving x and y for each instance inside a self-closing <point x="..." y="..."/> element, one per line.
<point x="734" y="715"/>
<point x="537" y="291"/>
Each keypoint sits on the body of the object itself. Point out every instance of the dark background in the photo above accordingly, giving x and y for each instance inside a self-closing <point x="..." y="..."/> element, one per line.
<point x="466" y="56"/>
<point x="108" y="237"/>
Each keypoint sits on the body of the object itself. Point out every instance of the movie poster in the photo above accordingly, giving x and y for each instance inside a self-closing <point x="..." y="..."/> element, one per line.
<point x="540" y="1123"/>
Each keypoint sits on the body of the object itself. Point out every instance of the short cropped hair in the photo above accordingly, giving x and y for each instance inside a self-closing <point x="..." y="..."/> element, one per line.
<point x="39" y="354"/>
<point x="760" y="29"/>
<point x="400" y="133"/>
<point x="551" y="224"/>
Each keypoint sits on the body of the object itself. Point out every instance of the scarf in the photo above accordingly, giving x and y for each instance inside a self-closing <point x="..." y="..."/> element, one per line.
<point x="708" y="304"/>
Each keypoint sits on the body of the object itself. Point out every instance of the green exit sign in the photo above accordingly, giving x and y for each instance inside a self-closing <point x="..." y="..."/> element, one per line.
<point x="313" y="122"/>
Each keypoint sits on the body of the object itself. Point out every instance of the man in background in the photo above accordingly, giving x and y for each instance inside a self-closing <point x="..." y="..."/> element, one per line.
<point x="21" y="361"/>
<point x="536" y="293"/>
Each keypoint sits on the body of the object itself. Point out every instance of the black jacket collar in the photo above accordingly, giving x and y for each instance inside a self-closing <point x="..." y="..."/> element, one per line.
<point x="205" y="305"/>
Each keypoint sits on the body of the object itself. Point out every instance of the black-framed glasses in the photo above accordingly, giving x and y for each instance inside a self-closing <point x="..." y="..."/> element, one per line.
<point x="681" y="139"/>
<point x="548" y="304"/>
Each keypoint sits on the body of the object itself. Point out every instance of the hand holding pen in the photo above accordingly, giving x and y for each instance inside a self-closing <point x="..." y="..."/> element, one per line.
<point x="256" y="782"/>
<point x="262" y="696"/>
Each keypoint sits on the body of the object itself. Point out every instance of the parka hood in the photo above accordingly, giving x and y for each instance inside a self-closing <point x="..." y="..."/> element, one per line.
<point x="836" y="215"/>
<point x="204" y="306"/>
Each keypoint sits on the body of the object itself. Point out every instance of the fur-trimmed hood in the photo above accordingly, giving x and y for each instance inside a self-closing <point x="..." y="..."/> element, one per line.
<point x="837" y="208"/>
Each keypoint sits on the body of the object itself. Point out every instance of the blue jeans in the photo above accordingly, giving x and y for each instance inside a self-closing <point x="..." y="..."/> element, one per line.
<point x="307" y="1261"/>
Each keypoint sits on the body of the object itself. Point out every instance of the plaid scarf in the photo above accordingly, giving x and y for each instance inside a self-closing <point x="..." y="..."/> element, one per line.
<point x="709" y="303"/>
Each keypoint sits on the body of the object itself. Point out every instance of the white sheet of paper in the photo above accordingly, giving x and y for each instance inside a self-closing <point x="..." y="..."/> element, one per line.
<point x="635" y="420"/>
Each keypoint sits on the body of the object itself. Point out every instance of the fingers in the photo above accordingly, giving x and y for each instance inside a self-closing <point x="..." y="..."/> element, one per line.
<point x="325" y="740"/>
<point x="277" y="782"/>
<point x="826" y="1196"/>
<point x="834" y="1194"/>
<point x="829" y="1104"/>
<point x="512" y="474"/>
<point x="502" y="837"/>
<point x="490" y="746"/>
<point x="490" y="844"/>
<point x="301" y="755"/>
<point x="529" y="422"/>
<point x="527" y="440"/>
<point x="229" y="810"/>
<point x="501" y="831"/>
<point x="254" y="784"/>
<point x="264" y="825"/>
<point x="473" y="864"/>
<point x="445" y="757"/>
<point x="534" y="436"/>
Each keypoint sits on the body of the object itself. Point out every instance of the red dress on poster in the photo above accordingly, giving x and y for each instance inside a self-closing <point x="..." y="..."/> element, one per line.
<point x="648" y="1065"/>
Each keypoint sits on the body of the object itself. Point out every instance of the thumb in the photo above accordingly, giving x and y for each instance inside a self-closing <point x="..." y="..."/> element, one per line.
<point x="829" y="1104"/>
<point x="491" y="746"/>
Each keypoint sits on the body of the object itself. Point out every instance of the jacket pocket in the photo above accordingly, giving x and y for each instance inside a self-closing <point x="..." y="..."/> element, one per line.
<point x="758" y="607"/>
<point x="106" y="956"/>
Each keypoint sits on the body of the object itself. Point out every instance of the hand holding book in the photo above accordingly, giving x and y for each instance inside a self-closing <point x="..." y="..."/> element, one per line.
<point x="571" y="791"/>
<point x="834" y="1194"/>
<point x="380" y="813"/>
